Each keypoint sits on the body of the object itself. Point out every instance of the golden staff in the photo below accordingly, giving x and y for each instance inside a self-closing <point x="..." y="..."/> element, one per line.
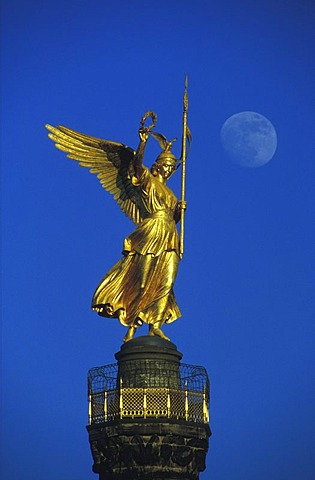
<point x="183" y="161"/>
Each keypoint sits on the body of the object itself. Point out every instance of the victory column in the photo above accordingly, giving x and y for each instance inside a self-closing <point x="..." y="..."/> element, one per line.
<point x="148" y="413"/>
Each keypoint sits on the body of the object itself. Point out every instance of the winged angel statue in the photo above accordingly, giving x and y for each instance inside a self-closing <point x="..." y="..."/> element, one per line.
<point x="139" y="287"/>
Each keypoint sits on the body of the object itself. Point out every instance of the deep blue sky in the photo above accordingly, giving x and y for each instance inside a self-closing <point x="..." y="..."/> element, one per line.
<point x="246" y="283"/>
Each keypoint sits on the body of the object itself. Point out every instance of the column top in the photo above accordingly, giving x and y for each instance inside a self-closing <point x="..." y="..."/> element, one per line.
<point x="147" y="346"/>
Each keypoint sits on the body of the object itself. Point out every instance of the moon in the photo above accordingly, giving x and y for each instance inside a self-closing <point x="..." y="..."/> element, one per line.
<point x="249" y="139"/>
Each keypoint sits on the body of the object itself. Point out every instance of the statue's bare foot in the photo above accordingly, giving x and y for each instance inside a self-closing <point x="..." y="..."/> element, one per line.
<point x="154" y="330"/>
<point x="121" y="315"/>
<point x="129" y="335"/>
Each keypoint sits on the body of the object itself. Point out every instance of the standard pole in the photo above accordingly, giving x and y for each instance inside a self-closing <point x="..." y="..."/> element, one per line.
<point x="184" y="140"/>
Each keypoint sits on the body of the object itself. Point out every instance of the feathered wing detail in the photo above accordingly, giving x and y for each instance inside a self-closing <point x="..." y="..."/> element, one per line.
<point x="161" y="139"/>
<point x="110" y="161"/>
<point x="163" y="142"/>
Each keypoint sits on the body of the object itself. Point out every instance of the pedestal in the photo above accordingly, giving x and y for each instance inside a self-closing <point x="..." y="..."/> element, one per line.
<point x="154" y="423"/>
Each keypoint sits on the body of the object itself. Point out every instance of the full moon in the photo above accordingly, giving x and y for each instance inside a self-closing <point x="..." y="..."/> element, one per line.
<point x="249" y="139"/>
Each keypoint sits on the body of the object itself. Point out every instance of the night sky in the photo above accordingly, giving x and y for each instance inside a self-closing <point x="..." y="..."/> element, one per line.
<point x="246" y="283"/>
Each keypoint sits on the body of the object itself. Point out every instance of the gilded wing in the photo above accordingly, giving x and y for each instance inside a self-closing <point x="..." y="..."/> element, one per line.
<point x="110" y="161"/>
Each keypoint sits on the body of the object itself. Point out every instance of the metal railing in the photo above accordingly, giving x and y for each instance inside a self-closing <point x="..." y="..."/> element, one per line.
<point x="190" y="401"/>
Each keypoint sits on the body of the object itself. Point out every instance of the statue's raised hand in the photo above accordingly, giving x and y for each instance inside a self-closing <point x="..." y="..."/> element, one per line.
<point x="144" y="133"/>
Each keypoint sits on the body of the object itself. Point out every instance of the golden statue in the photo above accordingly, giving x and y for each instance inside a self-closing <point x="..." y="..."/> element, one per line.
<point x="139" y="288"/>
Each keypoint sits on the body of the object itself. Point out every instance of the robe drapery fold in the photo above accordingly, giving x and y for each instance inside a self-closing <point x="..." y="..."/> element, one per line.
<point x="141" y="282"/>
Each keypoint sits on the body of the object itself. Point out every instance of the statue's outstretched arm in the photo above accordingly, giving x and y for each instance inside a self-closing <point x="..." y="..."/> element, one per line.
<point x="138" y="159"/>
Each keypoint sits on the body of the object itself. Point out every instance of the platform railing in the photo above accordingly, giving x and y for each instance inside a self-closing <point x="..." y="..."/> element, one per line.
<point x="150" y="402"/>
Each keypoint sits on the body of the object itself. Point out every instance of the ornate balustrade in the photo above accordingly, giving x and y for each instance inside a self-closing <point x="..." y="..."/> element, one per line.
<point x="110" y="399"/>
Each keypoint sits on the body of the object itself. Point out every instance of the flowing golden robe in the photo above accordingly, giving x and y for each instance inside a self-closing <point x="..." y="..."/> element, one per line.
<point x="142" y="282"/>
